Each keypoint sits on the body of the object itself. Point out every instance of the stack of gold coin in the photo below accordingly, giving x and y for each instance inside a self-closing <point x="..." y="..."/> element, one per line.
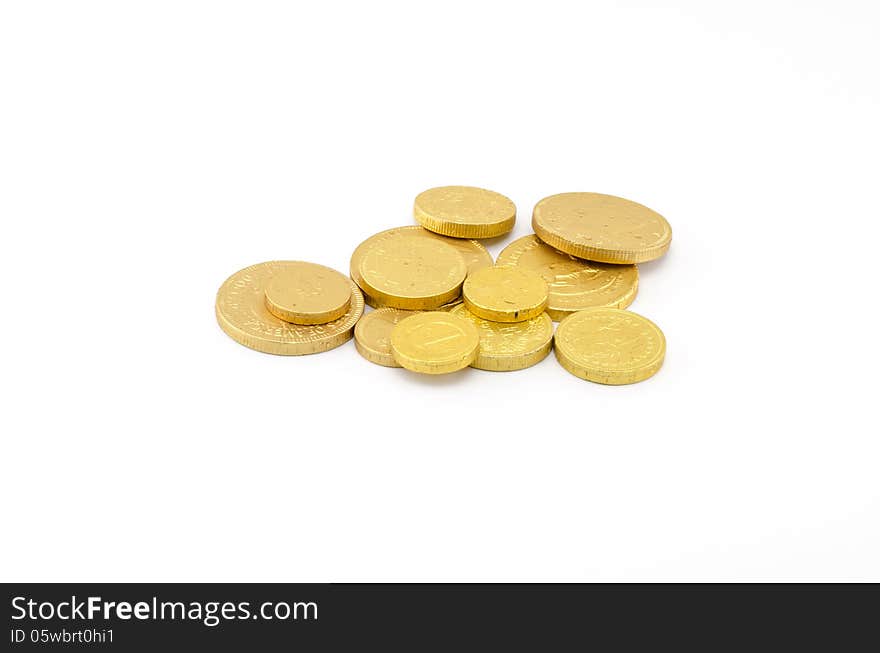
<point x="442" y="304"/>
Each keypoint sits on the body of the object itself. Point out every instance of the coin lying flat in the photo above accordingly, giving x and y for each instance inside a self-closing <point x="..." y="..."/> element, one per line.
<point x="575" y="284"/>
<point x="512" y="346"/>
<point x="412" y="273"/>
<point x="464" y="212"/>
<point x="243" y="316"/>
<point x="505" y="294"/>
<point x="372" y="335"/>
<point x="308" y="293"/>
<point x="475" y="255"/>
<point x="601" y="228"/>
<point x="435" y="343"/>
<point x="610" y="345"/>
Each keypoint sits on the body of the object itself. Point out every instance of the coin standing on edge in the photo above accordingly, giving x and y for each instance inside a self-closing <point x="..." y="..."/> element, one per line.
<point x="474" y="254"/>
<point x="435" y="343"/>
<point x="610" y="346"/>
<point x="242" y="314"/>
<point x="575" y="284"/>
<point x="372" y="335"/>
<point x="505" y="294"/>
<point x="308" y="293"/>
<point x="511" y="346"/>
<point x="464" y="212"/>
<point x="412" y="273"/>
<point x="601" y="227"/>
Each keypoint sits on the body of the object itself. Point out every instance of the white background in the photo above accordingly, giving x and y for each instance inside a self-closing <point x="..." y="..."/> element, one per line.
<point x="151" y="149"/>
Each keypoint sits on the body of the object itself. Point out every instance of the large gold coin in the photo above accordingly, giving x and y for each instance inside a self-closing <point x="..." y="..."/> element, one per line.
<point x="412" y="273"/>
<point x="601" y="228"/>
<point x="435" y="343"/>
<point x="505" y="294"/>
<point x="308" y="293"/>
<point x="575" y="284"/>
<point x="475" y="255"/>
<point x="242" y="314"/>
<point x="508" y="347"/>
<point x="609" y="345"/>
<point x="372" y="335"/>
<point x="465" y="212"/>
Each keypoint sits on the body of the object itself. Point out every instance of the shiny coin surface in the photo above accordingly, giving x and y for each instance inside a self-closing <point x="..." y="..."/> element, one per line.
<point x="412" y="273"/>
<point x="372" y="335"/>
<point x="609" y="345"/>
<point x="575" y="284"/>
<point x="464" y="212"/>
<point x="601" y="228"/>
<point x="505" y="294"/>
<point x="242" y="314"/>
<point x="435" y="343"/>
<point x="308" y="293"/>
<point x="512" y="346"/>
<point x="475" y="255"/>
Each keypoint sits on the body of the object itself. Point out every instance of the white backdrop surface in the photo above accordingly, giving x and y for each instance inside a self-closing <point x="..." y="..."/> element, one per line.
<point x="149" y="150"/>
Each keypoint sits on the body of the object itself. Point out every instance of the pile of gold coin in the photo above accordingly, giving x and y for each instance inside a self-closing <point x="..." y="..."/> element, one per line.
<point x="441" y="304"/>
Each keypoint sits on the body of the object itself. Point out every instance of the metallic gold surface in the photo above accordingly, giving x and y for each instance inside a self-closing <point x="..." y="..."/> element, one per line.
<point x="372" y="335"/>
<point x="435" y="343"/>
<point x="412" y="273"/>
<point x="475" y="255"/>
<point x="308" y="293"/>
<point x="575" y="284"/>
<point x="464" y="212"/>
<point x="243" y="316"/>
<point x="505" y="294"/>
<point x="508" y="347"/>
<point x="601" y="228"/>
<point x="609" y="345"/>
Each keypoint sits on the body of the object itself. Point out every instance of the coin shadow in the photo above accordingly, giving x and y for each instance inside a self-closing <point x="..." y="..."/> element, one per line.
<point x="432" y="380"/>
<point x="650" y="268"/>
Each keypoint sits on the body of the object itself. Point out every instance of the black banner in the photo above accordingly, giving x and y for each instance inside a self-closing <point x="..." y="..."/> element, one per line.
<point x="265" y="617"/>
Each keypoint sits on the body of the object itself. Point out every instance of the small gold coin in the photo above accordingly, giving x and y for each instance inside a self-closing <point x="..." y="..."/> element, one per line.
<point x="308" y="293"/>
<point x="505" y="294"/>
<point x="601" y="228"/>
<point x="575" y="284"/>
<point x="610" y="345"/>
<point x="508" y="347"/>
<point x="475" y="255"/>
<point x="243" y="316"/>
<point x="465" y="212"/>
<point x="372" y="335"/>
<point x="412" y="273"/>
<point x="435" y="343"/>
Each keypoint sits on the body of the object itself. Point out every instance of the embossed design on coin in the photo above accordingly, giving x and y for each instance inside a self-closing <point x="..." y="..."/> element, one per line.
<point x="505" y="294"/>
<point x="609" y="345"/>
<point x="308" y="293"/>
<point x="434" y="343"/>
<point x="464" y="212"/>
<point x="242" y="314"/>
<point x="412" y="273"/>
<point x="510" y="346"/>
<point x="575" y="284"/>
<point x="601" y="227"/>
<point x="372" y="335"/>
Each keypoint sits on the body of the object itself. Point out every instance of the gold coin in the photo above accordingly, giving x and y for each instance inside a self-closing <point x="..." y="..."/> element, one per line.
<point x="465" y="212"/>
<point x="610" y="345"/>
<point x="575" y="284"/>
<point x="242" y="314"/>
<point x="372" y="335"/>
<point x="601" y="228"/>
<point x="412" y="273"/>
<point x="308" y="293"/>
<point x="508" y="347"/>
<point x="475" y="255"/>
<point x="505" y="294"/>
<point x="435" y="343"/>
